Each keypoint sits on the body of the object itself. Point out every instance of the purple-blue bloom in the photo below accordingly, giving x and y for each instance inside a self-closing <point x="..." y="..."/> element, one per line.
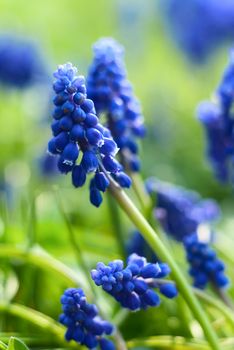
<point x="133" y="285"/>
<point x="137" y="244"/>
<point x="83" y="323"/>
<point x="205" y="266"/>
<point x="217" y="119"/>
<point x="20" y="62"/>
<point x="76" y="130"/>
<point x="112" y="94"/>
<point x="180" y="211"/>
<point x="199" y="27"/>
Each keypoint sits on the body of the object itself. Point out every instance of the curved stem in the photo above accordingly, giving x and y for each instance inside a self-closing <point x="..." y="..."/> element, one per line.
<point x="158" y="247"/>
<point x="38" y="257"/>
<point x="142" y="196"/>
<point x="168" y="342"/>
<point x="38" y="319"/>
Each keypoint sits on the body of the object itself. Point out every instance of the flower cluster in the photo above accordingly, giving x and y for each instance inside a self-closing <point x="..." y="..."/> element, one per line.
<point x="197" y="38"/>
<point x="180" y="211"/>
<point x="137" y="244"/>
<point x="82" y="321"/>
<point x="76" y="128"/>
<point x="204" y="265"/>
<point x="20" y="63"/>
<point x="132" y="286"/>
<point x="108" y="87"/>
<point x="217" y="118"/>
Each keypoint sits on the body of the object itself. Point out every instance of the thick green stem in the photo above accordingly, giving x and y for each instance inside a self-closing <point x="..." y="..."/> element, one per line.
<point x="116" y="224"/>
<point x="154" y="241"/>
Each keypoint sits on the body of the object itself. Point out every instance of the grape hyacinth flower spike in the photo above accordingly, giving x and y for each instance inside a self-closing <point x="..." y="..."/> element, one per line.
<point x="76" y="129"/>
<point x="133" y="286"/>
<point x="111" y="92"/>
<point x="217" y="119"/>
<point x="180" y="211"/>
<point x="21" y="64"/>
<point x="83" y="323"/>
<point x="204" y="265"/>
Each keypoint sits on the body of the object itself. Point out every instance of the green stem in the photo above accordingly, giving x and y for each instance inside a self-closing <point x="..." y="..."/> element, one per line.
<point x="167" y="342"/>
<point x="75" y="246"/>
<point x="217" y="304"/>
<point x="40" y="320"/>
<point x="36" y="256"/>
<point x="154" y="241"/>
<point x="142" y="196"/>
<point x="116" y="224"/>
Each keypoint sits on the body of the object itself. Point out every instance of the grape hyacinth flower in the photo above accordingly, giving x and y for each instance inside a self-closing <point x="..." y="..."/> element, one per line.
<point x="111" y="92"/>
<point x="83" y="323"/>
<point x="20" y="62"/>
<point x="218" y="122"/>
<point x="137" y="244"/>
<point x="199" y="39"/>
<point x="180" y="211"/>
<point x="204" y="265"/>
<point x="76" y="129"/>
<point x="133" y="285"/>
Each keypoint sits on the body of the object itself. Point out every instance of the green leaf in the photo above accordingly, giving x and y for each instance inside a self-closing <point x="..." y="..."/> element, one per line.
<point x="16" y="344"/>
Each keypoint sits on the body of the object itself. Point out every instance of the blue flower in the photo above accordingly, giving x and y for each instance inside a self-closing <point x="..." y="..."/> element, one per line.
<point x="180" y="211"/>
<point x="137" y="244"/>
<point x="198" y="39"/>
<point x="111" y="92"/>
<point x="218" y="122"/>
<point x="20" y="62"/>
<point x="204" y="265"/>
<point x="76" y="130"/>
<point x="133" y="286"/>
<point x="82" y="321"/>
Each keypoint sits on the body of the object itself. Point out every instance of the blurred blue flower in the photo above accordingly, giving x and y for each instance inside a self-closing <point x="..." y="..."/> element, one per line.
<point x="76" y="128"/>
<point x="108" y="87"/>
<point x="20" y="62"/>
<point x="180" y="211"/>
<point x="48" y="165"/>
<point x="199" y="27"/>
<point x="137" y="244"/>
<point x="82" y="321"/>
<point x="133" y="286"/>
<point x="218" y="122"/>
<point x="204" y="265"/>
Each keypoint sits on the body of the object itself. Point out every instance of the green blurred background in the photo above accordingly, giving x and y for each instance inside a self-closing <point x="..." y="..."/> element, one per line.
<point x="169" y="89"/>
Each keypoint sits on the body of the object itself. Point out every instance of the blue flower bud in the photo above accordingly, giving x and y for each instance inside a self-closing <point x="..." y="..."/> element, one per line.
<point x="89" y="161"/>
<point x="57" y="113"/>
<point x="61" y="140"/>
<point x="169" y="290"/>
<point x="94" y="137"/>
<point x="52" y="146"/>
<point x="65" y="166"/>
<point x="78" y="176"/>
<point x="109" y="147"/>
<point x="123" y="180"/>
<point x="95" y="196"/>
<point x="88" y="106"/>
<point x="101" y="181"/>
<point x="78" y="115"/>
<point x="79" y="98"/>
<point x="91" y="120"/>
<point x="71" y="152"/>
<point x="65" y="123"/>
<point x="106" y="344"/>
<point x="111" y="164"/>
<point x="60" y="98"/>
<point x="68" y="107"/>
<point x="77" y="133"/>
<point x="55" y="127"/>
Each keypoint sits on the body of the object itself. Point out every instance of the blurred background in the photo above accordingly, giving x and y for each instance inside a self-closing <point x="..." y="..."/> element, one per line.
<point x="169" y="78"/>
